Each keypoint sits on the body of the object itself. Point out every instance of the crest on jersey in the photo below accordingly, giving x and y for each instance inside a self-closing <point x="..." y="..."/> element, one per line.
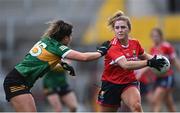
<point x="134" y="53"/>
<point x="127" y="54"/>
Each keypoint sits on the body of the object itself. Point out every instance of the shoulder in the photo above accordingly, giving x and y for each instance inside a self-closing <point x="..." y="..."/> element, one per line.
<point x="166" y="44"/>
<point x="54" y="44"/>
<point x="134" y="41"/>
<point x="114" y="41"/>
<point x="152" y="48"/>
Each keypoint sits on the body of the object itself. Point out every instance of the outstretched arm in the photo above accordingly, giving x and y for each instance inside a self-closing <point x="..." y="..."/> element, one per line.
<point x="79" y="56"/>
<point x="88" y="56"/>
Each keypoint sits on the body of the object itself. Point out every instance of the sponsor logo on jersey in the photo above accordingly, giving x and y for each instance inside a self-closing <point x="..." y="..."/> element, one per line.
<point x="134" y="53"/>
<point x="63" y="48"/>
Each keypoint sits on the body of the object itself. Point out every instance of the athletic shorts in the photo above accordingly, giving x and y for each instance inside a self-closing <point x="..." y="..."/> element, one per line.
<point x="165" y="82"/>
<point x="60" y="90"/>
<point x="145" y="88"/>
<point x="110" y="94"/>
<point x="15" y="84"/>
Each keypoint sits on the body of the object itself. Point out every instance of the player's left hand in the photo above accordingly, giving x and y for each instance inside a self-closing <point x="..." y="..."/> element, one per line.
<point x="156" y="63"/>
<point x="68" y="68"/>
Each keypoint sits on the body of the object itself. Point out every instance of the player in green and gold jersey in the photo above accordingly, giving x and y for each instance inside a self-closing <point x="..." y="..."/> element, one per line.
<point x="57" y="89"/>
<point x="43" y="56"/>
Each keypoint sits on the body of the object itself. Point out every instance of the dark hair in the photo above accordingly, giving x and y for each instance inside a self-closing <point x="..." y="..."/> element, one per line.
<point x="58" y="29"/>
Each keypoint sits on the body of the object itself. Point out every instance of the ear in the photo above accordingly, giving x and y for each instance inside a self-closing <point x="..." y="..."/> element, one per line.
<point x="65" y="39"/>
<point x="129" y="30"/>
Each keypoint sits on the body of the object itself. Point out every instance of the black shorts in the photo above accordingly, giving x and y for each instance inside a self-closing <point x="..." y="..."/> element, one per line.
<point x="60" y="90"/>
<point x="15" y="84"/>
<point x="110" y="94"/>
<point x="165" y="82"/>
<point x="145" y="88"/>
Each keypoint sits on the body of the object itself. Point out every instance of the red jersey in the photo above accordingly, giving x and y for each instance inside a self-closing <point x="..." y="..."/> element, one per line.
<point x="166" y="50"/>
<point x="114" y="73"/>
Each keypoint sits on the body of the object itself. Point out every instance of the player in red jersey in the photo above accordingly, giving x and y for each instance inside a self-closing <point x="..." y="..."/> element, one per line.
<point x="118" y="79"/>
<point x="164" y="83"/>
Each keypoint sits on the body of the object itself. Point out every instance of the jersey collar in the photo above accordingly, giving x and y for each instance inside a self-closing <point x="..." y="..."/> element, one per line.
<point x="123" y="46"/>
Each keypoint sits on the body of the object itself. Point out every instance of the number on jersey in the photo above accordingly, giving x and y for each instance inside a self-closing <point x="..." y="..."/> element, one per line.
<point x="37" y="48"/>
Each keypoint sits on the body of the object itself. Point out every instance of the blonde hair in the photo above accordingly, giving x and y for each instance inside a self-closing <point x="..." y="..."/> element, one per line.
<point x="119" y="15"/>
<point x="58" y="29"/>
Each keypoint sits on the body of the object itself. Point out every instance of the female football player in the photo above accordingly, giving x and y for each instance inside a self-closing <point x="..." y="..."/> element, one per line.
<point x="57" y="89"/>
<point x="118" y="79"/>
<point x="164" y="83"/>
<point x="45" y="54"/>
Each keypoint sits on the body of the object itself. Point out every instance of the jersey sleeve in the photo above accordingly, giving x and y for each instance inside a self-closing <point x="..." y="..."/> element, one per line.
<point x="140" y="49"/>
<point x="171" y="52"/>
<point x="115" y="54"/>
<point x="61" y="50"/>
<point x="64" y="50"/>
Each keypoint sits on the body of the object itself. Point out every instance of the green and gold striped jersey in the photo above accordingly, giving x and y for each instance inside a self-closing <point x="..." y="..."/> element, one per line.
<point x="44" y="55"/>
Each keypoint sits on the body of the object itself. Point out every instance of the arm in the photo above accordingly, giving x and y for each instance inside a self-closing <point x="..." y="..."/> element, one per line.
<point x="79" y="56"/>
<point x="145" y="56"/>
<point x="131" y="65"/>
<point x="88" y="56"/>
<point x="176" y="63"/>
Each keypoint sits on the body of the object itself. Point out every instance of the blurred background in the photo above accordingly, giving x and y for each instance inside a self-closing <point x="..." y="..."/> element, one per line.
<point x="22" y="22"/>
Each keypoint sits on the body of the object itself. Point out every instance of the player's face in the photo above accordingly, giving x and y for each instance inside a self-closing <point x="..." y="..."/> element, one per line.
<point x="121" y="29"/>
<point x="155" y="37"/>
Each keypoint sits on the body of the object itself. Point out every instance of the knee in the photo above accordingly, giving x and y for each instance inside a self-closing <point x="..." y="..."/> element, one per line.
<point x="58" y="109"/>
<point x="136" y="107"/>
<point x="73" y="109"/>
<point x="154" y="102"/>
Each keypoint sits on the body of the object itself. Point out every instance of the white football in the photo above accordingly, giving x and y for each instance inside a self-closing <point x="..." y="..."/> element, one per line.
<point x="164" y="69"/>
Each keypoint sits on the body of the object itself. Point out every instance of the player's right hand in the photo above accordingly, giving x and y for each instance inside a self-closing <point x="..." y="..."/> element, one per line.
<point x="156" y="63"/>
<point x="103" y="48"/>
